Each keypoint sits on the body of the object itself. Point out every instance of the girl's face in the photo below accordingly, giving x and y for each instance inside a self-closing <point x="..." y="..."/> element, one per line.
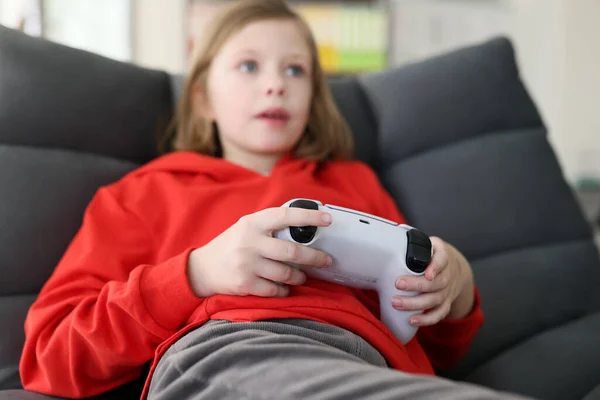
<point x="259" y="90"/>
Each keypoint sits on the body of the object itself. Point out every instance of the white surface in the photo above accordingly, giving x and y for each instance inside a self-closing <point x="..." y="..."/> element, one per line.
<point x="13" y="13"/>
<point x="99" y="26"/>
<point x="160" y="34"/>
<point x="423" y="28"/>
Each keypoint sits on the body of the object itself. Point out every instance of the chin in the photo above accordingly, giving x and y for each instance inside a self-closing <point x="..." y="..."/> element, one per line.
<point x="273" y="148"/>
<point x="273" y="151"/>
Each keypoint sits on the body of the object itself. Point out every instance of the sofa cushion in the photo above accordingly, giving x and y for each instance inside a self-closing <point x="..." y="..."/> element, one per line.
<point x="356" y="109"/>
<point x="594" y="394"/>
<point x="466" y="93"/>
<point x="13" y="310"/>
<point x="466" y="156"/>
<point x="492" y="193"/>
<point x="56" y="96"/>
<point x="44" y="194"/>
<point x="516" y="283"/>
<point x="567" y="353"/>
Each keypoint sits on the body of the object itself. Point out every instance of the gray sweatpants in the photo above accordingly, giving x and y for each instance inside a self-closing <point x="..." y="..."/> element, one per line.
<point x="290" y="359"/>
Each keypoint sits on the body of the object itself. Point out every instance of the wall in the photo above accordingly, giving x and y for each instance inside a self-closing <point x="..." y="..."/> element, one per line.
<point x="539" y="35"/>
<point x="159" y="34"/>
<point x="559" y="56"/>
<point x="582" y="87"/>
<point x="12" y="11"/>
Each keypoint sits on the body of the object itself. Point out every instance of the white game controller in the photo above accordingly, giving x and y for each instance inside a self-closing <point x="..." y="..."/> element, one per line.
<point x="368" y="253"/>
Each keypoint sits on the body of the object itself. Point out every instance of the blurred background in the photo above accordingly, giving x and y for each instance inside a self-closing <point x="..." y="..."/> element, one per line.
<point x="557" y="44"/>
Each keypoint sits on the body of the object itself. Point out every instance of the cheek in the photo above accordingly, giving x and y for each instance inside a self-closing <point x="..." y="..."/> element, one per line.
<point x="226" y="87"/>
<point x="223" y="92"/>
<point x="231" y="101"/>
<point x="302" y="95"/>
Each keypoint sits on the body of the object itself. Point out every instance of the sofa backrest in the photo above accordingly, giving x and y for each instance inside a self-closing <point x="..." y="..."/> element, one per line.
<point x="466" y="156"/>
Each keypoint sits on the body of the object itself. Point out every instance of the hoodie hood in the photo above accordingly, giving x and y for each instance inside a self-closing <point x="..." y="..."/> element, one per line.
<point x="220" y="169"/>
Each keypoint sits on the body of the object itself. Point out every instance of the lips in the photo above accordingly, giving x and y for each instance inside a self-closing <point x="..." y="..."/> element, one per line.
<point x="276" y="114"/>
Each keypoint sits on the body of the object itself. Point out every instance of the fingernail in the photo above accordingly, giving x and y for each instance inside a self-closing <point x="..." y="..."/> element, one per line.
<point x="326" y="218"/>
<point x="396" y="302"/>
<point x="328" y="261"/>
<point x="401" y="284"/>
<point x="414" y="321"/>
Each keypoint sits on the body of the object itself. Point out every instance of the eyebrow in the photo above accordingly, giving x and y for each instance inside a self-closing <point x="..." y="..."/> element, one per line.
<point x="244" y="52"/>
<point x="302" y="56"/>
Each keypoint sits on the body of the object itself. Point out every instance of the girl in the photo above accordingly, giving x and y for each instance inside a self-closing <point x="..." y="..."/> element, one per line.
<point x="174" y="265"/>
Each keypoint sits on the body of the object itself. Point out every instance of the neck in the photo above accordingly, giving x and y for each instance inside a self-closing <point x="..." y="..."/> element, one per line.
<point x="260" y="163"/>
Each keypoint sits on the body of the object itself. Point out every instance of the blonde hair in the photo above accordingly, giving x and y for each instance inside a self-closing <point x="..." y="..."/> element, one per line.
<point x="327" y="135"/>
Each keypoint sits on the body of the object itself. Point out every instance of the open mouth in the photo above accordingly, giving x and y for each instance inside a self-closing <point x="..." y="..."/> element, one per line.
<point x="276" y="114"/>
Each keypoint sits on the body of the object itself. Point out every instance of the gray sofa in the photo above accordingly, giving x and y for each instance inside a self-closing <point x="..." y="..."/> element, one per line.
<point x="456" y="139"/>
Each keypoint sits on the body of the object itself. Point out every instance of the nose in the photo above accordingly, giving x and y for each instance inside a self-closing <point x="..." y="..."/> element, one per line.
<point x="277" y="91"/>
<point x="276" y="86"/>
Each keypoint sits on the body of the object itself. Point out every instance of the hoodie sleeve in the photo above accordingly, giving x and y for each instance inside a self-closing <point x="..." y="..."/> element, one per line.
<point x="106" y="307"/>
<point x="448" y="341"/>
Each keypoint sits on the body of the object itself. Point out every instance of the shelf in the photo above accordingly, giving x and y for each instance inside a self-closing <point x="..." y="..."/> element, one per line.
<point x="352" y="35"/>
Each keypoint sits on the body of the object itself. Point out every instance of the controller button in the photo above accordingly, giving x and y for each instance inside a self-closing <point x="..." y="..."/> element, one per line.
<point x="418" y="251"/>
<point x="304" y="234"/>
<point x="417" y="237"/>
<point x="308" y="204"/>
<point x="417" y="258"/>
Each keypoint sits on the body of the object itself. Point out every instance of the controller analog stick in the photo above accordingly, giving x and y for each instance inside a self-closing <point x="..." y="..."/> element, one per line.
<point x="304" y="234"/>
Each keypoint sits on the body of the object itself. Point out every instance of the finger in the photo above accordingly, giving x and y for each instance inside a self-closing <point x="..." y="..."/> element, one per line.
<point x="290" y="252"/>
<point x="432" y="317"/>
<point x="436" y="267"/>
<point x="277" y="218"/>
<point x="439" y="259"/>
<point x="266" y="288"/>
<point x="421" y="284"/>
<point x="420" y="302"/>
<point x="279" y="272"/>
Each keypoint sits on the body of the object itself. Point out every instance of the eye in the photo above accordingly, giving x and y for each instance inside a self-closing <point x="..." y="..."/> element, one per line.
<point x="295" y="70"/>
<point x="248" y="66"/>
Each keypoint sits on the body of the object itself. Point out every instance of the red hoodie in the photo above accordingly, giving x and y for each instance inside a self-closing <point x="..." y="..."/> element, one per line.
<point x="120" y="296"/>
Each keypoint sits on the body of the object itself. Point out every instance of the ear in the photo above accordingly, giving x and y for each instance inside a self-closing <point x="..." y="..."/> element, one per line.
<point x="201" y="103"/>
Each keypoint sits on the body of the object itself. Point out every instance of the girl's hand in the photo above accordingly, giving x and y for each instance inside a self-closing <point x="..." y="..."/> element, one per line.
<point x="446" y="287"/>
<point x="246" y="260"/>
